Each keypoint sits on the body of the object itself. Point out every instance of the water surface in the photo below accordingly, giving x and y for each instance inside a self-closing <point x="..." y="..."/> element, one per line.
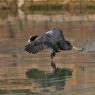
<point x="15" y="62"/>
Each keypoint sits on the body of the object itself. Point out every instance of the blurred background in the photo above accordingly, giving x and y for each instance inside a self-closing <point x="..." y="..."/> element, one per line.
<point x="22" y="73"/>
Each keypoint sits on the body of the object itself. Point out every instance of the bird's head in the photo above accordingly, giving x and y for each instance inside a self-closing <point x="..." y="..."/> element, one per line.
<point x="32" y="38"/>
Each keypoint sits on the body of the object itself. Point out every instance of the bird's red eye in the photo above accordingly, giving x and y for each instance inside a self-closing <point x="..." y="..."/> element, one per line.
<point x="33" y="38"/>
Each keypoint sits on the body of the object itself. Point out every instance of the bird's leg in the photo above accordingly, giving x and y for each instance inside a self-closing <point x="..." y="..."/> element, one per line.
<point x="53" y="53"/>
<point x="53" y="65"/>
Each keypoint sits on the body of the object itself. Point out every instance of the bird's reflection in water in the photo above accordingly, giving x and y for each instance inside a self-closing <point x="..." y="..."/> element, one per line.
<point x="55" y="79"/>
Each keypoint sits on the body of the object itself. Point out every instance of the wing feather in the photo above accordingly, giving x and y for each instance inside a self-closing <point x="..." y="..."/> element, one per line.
<point x="37" y="45"/>
<point x="46" y="40"/>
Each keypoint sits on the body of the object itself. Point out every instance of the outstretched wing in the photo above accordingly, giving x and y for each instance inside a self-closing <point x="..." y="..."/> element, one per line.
<point x="40" y="43"/>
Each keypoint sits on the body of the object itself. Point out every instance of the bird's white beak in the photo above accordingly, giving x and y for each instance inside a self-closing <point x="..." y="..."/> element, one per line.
<point x="78" y="49"/>
<point x="29" y="41"/>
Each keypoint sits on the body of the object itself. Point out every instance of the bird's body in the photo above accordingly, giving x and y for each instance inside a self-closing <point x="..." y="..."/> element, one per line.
<point x="53" y="39"/>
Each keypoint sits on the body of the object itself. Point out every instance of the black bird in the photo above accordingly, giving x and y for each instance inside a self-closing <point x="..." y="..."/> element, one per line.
<point x="53" y="39"/>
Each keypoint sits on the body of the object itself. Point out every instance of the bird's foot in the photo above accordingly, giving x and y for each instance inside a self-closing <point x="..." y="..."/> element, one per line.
<point x="53" y="65"/>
